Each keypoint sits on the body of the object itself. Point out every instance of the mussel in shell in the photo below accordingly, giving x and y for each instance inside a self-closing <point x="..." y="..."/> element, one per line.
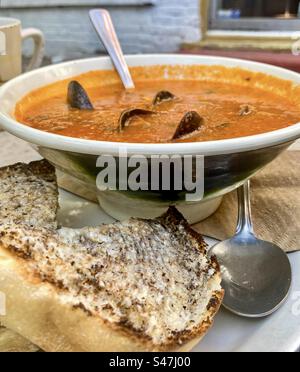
<point x="129" y="114"/>
<point x="163" y="96"/>
<point x="78" y="97"/>
<point x="190" y="123"/>
<point x="246" y="110"/>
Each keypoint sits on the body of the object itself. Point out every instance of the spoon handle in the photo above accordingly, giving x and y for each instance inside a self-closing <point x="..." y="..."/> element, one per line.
<point x="104" y="26"/>
<point x="245" y="224"/>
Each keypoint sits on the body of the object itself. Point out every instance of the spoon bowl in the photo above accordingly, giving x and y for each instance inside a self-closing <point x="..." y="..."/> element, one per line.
<point x="256" y="275"/>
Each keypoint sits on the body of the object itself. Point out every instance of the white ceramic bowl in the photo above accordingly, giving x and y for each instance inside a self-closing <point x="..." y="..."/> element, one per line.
<point x="228" y="163"/>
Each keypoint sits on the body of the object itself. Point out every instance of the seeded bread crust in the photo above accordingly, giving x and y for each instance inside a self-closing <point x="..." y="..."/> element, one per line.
<point x="42" y="308"/>
<point x="29" y="195"/>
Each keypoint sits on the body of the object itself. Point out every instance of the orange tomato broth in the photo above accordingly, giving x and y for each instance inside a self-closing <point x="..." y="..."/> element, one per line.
<point x="215" y="92"/>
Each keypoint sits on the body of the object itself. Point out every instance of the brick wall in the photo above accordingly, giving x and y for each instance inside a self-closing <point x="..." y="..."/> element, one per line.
<point x="144" y="26"/>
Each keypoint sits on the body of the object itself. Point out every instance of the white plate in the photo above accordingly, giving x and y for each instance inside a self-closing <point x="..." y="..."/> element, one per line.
<point x="277" y="333"/>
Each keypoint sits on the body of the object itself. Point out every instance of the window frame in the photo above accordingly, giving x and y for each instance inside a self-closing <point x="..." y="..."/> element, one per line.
<point x="250" y="23"/>
<point x="228" y="39"/>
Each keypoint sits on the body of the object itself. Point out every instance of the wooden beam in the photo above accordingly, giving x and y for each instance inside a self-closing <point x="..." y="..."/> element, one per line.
<point x="72" y="3"/>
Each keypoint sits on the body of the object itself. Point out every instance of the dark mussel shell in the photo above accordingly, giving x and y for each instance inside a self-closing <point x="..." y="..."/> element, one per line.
<point x="190" y="123"/>
<point x="78" y="98"/>
<point x="163" y="96"/>
<point x="128" y="114"/>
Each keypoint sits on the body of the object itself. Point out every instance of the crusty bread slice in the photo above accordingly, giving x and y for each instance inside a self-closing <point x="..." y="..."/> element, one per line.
<point x="29" y="195"/>
<point x="134" y="286"/>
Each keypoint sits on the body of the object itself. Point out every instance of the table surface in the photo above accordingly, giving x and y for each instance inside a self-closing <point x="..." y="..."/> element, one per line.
<point x="14" y="150"/>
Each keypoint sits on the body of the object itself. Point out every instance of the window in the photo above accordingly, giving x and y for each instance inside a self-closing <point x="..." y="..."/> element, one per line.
<point x="254" y="15"/>
<point x="250" y="24"/>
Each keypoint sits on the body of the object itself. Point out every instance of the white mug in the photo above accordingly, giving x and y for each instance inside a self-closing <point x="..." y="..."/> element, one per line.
<point x="11" y="38"/>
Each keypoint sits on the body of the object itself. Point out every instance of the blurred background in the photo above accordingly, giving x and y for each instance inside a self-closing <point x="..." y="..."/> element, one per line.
<point x="262" y="30"/>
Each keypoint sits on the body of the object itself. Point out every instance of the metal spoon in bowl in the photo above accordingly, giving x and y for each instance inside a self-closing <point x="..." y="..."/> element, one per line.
<point x="256" y="274"/>
<point x="104" y="26"/>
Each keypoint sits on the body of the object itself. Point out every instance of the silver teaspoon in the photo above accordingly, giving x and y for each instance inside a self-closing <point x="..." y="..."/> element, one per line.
<point x="256" y="274"/>
<point x="104" y="26"/>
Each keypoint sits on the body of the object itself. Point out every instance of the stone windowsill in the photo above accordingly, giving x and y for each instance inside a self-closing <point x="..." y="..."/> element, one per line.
<point x="280" y="59"/>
